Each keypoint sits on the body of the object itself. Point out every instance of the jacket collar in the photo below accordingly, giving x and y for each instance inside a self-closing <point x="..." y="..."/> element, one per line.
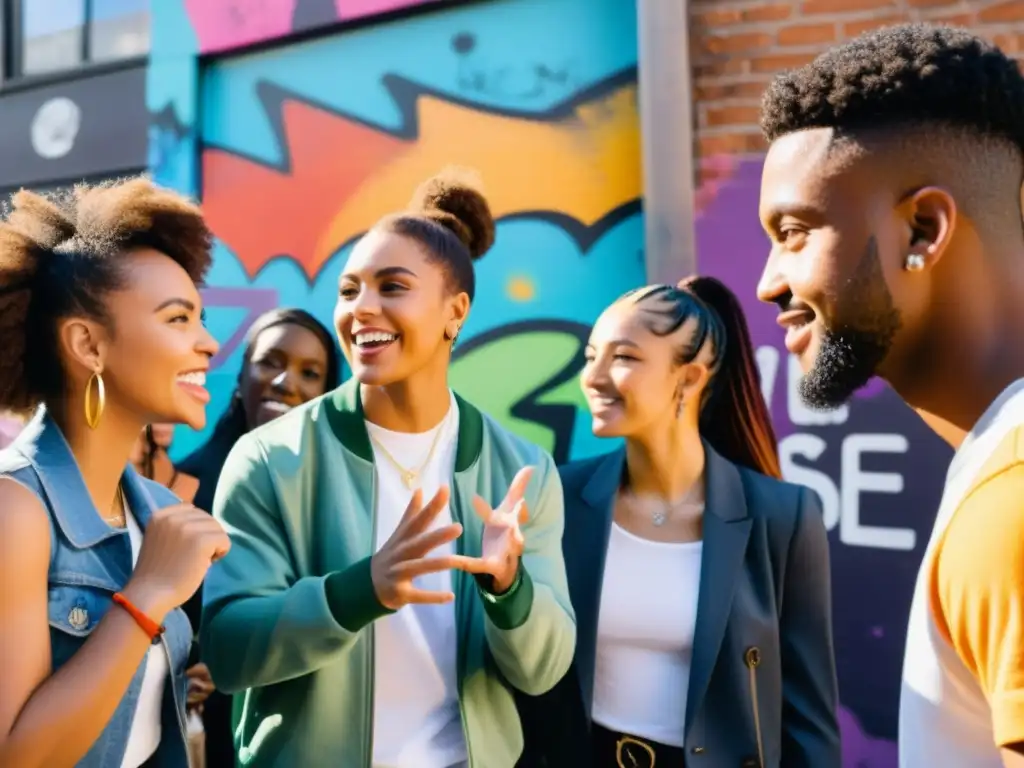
<point x="44" y="446"/>
<point x="344" y="408"/>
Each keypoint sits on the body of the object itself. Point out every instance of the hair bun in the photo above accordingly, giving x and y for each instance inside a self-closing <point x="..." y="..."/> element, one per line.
<point x="453" y="199"/>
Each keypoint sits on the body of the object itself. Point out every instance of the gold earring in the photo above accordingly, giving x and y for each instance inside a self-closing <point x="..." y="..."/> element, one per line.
<point x="92" y="417"/>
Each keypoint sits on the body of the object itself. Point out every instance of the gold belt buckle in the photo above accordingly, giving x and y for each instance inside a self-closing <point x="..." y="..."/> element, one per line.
<point x="622" y="751"/>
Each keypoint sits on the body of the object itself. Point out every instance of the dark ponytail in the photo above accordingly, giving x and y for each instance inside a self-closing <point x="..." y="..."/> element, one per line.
<point x="735" y="418"/>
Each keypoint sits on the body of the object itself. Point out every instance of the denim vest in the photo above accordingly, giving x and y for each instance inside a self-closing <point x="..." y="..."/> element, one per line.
<point x="89" y="562"/>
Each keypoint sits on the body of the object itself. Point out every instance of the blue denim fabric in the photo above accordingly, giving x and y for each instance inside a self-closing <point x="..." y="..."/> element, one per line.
<point x="89" y="562"/>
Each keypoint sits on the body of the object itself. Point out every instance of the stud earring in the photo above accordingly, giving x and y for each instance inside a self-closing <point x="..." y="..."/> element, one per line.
<point x="914" y="262"/>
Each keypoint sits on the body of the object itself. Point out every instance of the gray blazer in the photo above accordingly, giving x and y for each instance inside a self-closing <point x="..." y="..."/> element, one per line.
<point x="763" y="620"/>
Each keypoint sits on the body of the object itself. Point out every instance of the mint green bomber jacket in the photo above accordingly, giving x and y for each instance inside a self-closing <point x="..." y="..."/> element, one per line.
<point x="288" y="614"/>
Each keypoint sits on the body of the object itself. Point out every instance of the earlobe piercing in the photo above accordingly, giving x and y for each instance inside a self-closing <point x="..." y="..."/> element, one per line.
<point x="914" y="262"/>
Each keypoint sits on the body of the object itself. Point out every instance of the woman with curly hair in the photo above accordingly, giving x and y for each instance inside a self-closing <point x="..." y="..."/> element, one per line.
<point x="100" y="323"/>
<point x="345" y="610"/>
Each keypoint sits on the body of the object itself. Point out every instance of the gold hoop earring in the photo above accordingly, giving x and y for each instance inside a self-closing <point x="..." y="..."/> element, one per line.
<point x="92" y="416"/>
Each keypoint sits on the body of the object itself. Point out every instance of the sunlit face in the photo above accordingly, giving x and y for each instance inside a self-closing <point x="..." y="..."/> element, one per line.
<point x="287" y="366"/>
<point x="156" y="352"/>
<point x="394" y="307"/>
<point x="837" y="246"/>
<point x="631" y="379"/>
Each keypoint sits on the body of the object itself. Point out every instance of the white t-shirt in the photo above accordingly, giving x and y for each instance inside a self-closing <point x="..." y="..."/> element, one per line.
<point x="144" y="737"/>
<point x="417" y="721"/>
<point x="946" y="718"/>
<point x="645" y="636"/>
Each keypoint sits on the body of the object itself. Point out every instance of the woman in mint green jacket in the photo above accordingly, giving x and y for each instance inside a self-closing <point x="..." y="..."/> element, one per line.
<point x="365" y="627"/>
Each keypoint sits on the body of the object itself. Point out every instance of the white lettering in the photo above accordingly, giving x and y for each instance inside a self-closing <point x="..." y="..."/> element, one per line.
<point x="810" y="447"/>
<point x="855" y="481"/>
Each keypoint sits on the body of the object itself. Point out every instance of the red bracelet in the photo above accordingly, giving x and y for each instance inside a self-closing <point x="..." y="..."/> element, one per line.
<point x="149" y="626"/>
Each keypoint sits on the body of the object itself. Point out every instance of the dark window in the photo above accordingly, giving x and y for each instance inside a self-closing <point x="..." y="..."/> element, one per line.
<point x="63" y="34"/>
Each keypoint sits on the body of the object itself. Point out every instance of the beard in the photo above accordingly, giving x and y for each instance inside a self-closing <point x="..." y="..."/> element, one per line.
<point x="851" y="353"/>
<point x="847" y="360"/>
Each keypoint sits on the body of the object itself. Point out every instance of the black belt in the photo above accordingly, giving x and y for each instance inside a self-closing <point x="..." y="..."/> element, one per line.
<point x="622" y="750"/>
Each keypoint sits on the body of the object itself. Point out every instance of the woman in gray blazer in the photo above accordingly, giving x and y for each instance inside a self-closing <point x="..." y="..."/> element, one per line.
<point x="700" y="580"/>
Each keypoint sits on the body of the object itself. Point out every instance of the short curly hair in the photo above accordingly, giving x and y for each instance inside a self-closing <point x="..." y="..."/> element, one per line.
<point x="61" y="255"/>
<point x="901" y="75"/>
<point x="449" y="217"/>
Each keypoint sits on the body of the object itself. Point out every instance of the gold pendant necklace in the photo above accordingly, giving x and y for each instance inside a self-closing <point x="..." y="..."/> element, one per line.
<point x="410" y="477"/>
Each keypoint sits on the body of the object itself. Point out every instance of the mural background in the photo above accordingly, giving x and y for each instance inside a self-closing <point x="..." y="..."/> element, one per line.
<point x="301" y="147"/>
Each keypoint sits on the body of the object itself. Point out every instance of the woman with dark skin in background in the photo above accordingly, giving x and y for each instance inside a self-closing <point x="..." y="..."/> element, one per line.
<point x="289" y="359"/>
<point x="700" y="580"/>
<point x="100" y="322"/>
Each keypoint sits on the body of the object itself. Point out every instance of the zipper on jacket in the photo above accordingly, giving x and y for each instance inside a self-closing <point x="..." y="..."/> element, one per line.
<point x="753" y="660"/>
<point x="177" y="703"/>
<point x="370" y="633"/>
<point x="460" y="660"/>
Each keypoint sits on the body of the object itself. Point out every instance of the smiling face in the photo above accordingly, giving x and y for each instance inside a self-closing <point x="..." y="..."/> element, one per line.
<point x="155" y="351"/>
<point x="394" y="308"/>
<point x="632" y="379"/>
<point x="838" y="244"/>
<point x="287" y="366"/>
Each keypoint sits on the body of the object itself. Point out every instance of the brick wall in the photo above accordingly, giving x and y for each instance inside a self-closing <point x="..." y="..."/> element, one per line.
<point x="737" y="45"/>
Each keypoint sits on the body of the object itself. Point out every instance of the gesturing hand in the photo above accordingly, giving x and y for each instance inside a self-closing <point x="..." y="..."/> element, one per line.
<point x="404" y="556"/>
<point x="503" y="539"/>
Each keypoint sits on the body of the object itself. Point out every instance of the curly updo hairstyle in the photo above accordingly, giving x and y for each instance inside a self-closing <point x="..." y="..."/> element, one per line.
<point x="450" y="218"/>
<point x="909" y="74"/>
<point x="62" y="254"/>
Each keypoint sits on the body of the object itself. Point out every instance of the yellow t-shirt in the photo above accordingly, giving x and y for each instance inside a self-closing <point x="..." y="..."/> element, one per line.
<point x="977" y="576"/>
<point x="963" y="676"/>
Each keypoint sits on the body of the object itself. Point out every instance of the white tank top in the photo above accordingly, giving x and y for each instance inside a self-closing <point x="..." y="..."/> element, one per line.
<point x="144" y="737"/>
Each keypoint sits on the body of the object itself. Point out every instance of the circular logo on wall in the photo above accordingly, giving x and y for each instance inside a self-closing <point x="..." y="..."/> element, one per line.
<point x="55" y="127"/>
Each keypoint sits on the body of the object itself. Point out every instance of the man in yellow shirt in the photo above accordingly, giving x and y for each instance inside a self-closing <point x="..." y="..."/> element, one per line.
<point x="892" y="196"/>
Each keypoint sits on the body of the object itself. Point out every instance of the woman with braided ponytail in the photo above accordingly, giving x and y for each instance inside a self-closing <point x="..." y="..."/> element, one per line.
<point x="101" y="334"/>
<point x="396" y="573"/>
<point x="700" y="580"/>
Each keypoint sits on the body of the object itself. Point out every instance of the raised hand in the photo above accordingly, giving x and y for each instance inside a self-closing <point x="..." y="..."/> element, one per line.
<point x="503" y="538"/>
<point x="404" y="556"/>
<point x="179" y="545"/>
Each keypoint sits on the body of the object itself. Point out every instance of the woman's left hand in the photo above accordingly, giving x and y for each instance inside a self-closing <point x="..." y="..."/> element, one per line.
<point x="503" y="538"/>
<point x="200" y="685"/>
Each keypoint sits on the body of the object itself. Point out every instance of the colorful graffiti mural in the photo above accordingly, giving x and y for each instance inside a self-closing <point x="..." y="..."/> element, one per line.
<point x="221" y="25"/>
<point x="297" y="163"/>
